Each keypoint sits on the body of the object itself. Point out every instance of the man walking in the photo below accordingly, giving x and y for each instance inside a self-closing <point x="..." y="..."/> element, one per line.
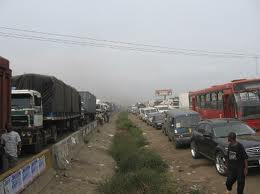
<point x="237" y="164"/>
<point x="12" y="146"/>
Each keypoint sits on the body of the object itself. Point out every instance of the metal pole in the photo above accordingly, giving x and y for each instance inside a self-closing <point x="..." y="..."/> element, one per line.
<point x="256" y="66"/>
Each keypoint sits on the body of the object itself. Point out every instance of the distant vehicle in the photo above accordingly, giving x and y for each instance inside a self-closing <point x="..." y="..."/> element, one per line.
<point x="101" y="107"/>
<point x="145" y="111"/>
<point x="5" y="93"/>
<point x="134" y="110"/>
<point x="162" y="108"/>
<point x="209" y="139"/>
<point x="238" y="99"/>
<point x="184" y="101"/>
<point x="179" y="125"/>
<point x="140" y="105"/>
<point x="42" y="105"/>
<point x="156" y="120"/>
<point x="88" y="106"/>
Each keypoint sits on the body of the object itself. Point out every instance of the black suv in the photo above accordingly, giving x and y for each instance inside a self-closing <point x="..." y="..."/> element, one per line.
<point x="210" y="140"/>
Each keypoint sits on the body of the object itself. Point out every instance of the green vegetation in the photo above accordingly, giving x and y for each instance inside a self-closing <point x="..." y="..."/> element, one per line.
<point x="140" y="170"/>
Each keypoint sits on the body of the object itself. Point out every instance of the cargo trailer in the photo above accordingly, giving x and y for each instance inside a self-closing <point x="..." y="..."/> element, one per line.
<point x="41" y="106"/>
<point x="5" y="93"/>
<point x="88" y="106"/>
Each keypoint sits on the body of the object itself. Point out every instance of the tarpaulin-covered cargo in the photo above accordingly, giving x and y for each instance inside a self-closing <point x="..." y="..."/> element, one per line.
<point x="5" y="92"/>
<point x="57" y="97"/>
<point x="89" y="101"/>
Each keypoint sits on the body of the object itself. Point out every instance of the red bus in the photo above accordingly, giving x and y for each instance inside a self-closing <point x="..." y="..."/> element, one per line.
<point x="238" y="99"/>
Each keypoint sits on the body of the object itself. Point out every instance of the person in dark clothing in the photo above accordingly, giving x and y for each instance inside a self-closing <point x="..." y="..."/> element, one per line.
<point x="237" y="164"/>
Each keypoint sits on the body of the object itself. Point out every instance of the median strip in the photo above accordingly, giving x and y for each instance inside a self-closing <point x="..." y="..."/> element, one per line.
<point x="139" y="169"/>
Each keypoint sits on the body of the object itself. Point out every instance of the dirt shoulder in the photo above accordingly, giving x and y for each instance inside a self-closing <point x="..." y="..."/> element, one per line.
<point x="185" y="169"/>
<point x="91" y="165"/>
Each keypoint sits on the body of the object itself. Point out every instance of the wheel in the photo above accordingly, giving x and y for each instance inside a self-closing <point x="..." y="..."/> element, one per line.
<point x="37" y="147"/>
<point x="54" y="134"/>
<point x="177" y="145"/>
<point x="194" y="150"/>
<point x="220" y="163"/>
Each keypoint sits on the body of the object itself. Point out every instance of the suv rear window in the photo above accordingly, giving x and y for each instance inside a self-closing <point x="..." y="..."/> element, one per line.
<point x="238" y="128"/>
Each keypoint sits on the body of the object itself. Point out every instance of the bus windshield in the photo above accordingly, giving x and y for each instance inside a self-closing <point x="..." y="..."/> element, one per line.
<point x="248" y="104"/>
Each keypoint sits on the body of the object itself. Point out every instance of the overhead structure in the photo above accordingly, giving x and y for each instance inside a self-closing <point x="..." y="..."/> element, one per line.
<point x="164" y="93"/>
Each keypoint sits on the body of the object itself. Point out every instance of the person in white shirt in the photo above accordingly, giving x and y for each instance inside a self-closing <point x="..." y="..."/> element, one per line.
<point x="12" y="147"/>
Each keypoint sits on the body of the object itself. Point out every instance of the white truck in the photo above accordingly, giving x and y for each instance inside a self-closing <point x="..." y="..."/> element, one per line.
<point x="184" y="102"/>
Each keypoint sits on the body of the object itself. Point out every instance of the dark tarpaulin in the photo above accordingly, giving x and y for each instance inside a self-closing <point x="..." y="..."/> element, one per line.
<point x="57" y="97"/>
<point x="89" y="101"/>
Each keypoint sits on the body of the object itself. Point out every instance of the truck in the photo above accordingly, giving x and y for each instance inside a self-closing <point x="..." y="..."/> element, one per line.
<point x="88" y="106"/>
<point x="5" y="94"/>
<point x="184" y="102"/>
<point x="41" y="107"/>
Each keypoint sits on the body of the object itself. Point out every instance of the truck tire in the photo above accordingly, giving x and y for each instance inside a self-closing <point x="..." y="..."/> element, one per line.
<point x="74" y="125"/>
<point x="37" y="147"/>
<point x="54" y="134"/>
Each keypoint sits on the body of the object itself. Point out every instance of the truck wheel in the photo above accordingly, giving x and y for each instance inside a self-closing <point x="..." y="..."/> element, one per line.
<point x="177" y="145"/>
<point x="74" y="125"/>
<point x="54" y="134"/>
<point x="38" y="146"/>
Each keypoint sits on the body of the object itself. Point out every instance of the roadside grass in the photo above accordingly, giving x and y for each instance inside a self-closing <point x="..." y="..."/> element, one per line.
<point x="139" y="170"/>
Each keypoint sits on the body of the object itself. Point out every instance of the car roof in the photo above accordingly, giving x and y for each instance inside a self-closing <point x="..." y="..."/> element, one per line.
<point x="221" y="121"/>
<point x="181" y="112"/>
<point x="155" y="113"/>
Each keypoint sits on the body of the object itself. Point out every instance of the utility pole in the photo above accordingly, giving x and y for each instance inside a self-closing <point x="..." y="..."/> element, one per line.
<point x="256" y="66"/>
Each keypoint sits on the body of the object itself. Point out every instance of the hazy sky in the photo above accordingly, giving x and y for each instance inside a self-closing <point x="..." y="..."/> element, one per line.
<point x="128" y="76"/>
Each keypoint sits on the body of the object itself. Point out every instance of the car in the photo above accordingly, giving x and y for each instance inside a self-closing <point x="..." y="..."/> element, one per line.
<point x="156" y="119"/>
<point x="179" y="125"/>
<point x="210" y="139"/>
<point x="162" y="108"/>
<point x="145" y="111"/>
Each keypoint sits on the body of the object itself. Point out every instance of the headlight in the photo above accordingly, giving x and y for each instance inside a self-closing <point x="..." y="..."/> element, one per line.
<point x="28" y="133"/>
<point x="23" y="134"/>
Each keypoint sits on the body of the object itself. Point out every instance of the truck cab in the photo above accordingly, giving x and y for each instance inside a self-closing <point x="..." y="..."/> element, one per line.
<point x="26" y="113"/>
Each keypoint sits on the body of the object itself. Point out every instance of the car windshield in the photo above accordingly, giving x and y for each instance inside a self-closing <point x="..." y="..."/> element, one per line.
<point x="20" y="101"/>
<point x="238" y="128"/>
<point x="187" y="121"/>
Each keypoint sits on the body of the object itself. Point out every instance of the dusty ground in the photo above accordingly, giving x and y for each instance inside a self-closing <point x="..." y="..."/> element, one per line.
<point x="189" y="171"/>
<point x="91" y="165"/>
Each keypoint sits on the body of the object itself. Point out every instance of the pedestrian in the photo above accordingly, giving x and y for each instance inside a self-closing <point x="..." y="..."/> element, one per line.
<point x="11" y="142"/>
<point x="237" y="164"/>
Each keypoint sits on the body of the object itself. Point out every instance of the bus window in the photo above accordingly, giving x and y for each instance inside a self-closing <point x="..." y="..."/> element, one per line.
<point x="214" y="100"/>
<point x="220" y="100"/>
<point x="202" y="101"/>
<point x="198" y="101"/>
<point x="208" y="101"/>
